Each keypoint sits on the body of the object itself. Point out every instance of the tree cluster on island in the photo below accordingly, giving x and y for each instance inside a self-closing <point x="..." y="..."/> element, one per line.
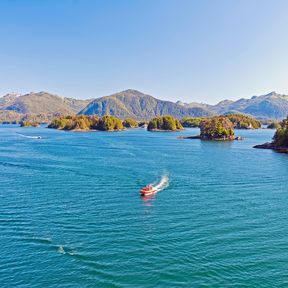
<point x="29" y="124"/>
<point x="130" y="123"/>
<point x="86" y="123"/>
<point x="281" y="135"/>
<point x="191" y="122"/>
<point x="143" y="123"/>
<point x="239" y="121"/>
<point x="164" y="123"/>
<point x="280" y="139"/>
<point x="218" y="128"/>
<point x="274" y="125"/>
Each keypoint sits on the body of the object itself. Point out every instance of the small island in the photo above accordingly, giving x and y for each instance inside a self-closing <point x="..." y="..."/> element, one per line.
<point x="130" y="123"/>
<point x="239" y="121"/>
<point x="280" y="139"/>
<point x="274" y="125"/>
<point x="143" y="124"/>
<point x="86" y="123"/>
<point x="29" y="124"/>
<point x="217" y="128"/>
<point x="191" y="122"/>
<point x="164" y="123"/>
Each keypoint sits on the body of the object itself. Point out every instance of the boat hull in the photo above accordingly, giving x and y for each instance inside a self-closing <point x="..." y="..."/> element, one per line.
<point x="148" y="192"/>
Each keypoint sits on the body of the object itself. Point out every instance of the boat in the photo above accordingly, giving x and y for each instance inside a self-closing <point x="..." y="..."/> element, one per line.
<point x="148" y="190"/>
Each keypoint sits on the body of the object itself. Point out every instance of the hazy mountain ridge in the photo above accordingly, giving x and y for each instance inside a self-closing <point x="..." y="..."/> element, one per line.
<point x="41" y="102"/>
<point x="268" y="106"/>
<point x="272" y="105"/>
<point x="135" y="104"/>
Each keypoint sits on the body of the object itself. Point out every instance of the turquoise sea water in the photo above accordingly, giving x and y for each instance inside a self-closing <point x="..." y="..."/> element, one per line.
<point x="71" y="215"/>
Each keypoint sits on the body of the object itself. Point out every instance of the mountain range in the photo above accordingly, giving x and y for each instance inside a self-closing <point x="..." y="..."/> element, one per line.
<point x="135" y="104"/>
<point x="132" y="103"/>
<point x="269" y="106"/>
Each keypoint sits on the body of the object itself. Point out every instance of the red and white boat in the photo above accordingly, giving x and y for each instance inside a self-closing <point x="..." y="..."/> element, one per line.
<point x="148" y="190"/>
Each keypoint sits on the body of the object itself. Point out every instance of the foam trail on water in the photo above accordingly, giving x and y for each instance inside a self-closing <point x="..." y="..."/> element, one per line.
<point x="164" y="183"/>
<point x="61" y="249"/>
<point x="30" y="137"/>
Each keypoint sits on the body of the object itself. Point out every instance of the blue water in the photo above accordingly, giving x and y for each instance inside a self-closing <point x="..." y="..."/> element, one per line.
<point x="71" y="215"/>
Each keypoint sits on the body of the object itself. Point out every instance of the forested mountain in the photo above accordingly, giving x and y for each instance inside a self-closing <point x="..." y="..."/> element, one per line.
<point x="132" y="103"/>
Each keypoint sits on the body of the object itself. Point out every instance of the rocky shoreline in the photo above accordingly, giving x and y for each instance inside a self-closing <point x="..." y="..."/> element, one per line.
<point x="213" y="139"/>
<point x="161" y="130"/>
<point x="272" y="146"/>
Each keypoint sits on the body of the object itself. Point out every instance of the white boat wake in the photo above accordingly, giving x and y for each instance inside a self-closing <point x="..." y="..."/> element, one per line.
<point x="164" y="183"/>
<point x="30" y="137"/>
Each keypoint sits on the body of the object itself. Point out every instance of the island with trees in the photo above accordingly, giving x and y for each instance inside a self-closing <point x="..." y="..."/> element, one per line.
<point x="143" y="124"/>
<point x="274" y="125"/>
<point x="191" y="122"/>
<point x="239" y="121"/>
<point x="164" y="123"/>
<point x="217" y="128"/>
<point x="28" y="123"/>
<point x="280" y="140"/>
<point x="87" y="123"/>
<point x="130" y="123"/>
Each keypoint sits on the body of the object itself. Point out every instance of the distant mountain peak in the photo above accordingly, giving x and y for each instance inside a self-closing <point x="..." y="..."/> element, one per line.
<point x="12" y="94"/>
<point x="132" y="91"/>
<point x="225" y="101"/>
<point x="273" y="93"/>
<point x="179" y="102"/>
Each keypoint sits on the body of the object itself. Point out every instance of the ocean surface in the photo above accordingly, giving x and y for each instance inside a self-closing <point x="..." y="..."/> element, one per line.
<point x="71" y="214"/>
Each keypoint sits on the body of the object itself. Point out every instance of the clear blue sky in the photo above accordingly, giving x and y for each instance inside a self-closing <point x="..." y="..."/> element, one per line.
<point x="173" y="49"/>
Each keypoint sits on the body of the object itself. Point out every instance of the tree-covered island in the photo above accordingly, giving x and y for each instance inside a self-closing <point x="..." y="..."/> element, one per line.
<point x="274" y="125"/>
<point x="280" y="140"/>
<point x="87" y="123"/>
<point x="191" y="122"/>
<point x="130" y="123"/>
<point x="164" y="123"/>
<point x="29" y="124"/>
<point x="239" y="121"/>
<point x="218" y="128"/>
